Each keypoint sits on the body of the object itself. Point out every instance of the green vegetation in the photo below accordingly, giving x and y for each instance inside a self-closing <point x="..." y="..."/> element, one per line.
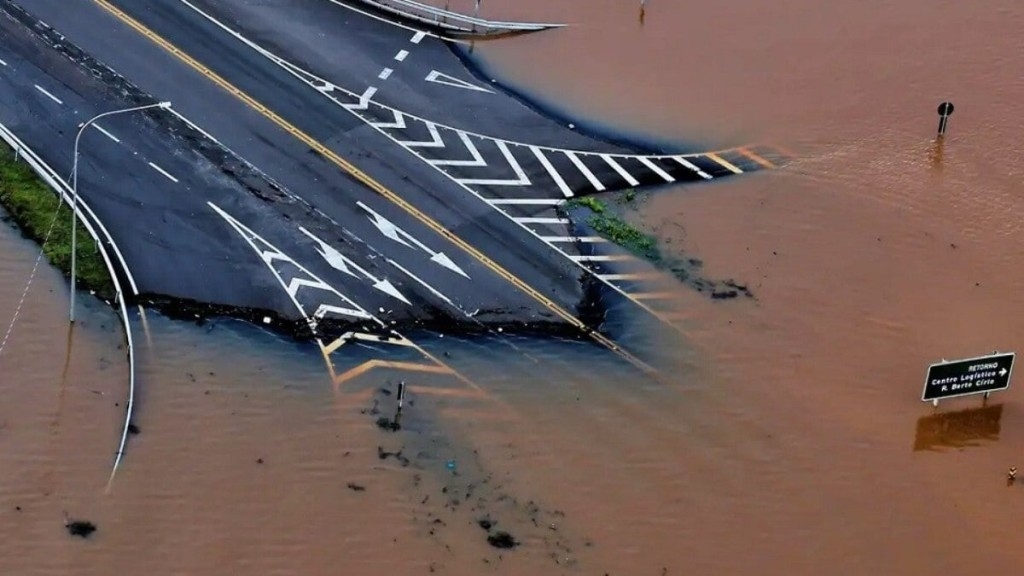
<point x="32" y="204"/>
<point x="617" y="230"/>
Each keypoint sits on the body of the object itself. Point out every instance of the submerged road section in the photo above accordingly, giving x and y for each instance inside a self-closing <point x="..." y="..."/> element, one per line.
<point x="284" y="169"/>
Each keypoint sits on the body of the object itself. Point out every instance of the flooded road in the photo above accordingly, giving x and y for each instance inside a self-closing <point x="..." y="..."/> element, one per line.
<point x="791" y="438"/>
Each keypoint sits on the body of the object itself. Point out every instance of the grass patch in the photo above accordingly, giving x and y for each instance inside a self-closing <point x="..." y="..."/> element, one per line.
<point x="32" y="204"/>
<point x="616" y="229"/>
<point x="626" y="235"/>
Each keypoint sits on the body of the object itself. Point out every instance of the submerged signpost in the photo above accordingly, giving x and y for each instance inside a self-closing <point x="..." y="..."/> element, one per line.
<point x="981" y="375"/>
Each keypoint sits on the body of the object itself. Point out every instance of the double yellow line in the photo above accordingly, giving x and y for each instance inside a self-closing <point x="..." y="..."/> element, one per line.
<point x="370" y="182"/>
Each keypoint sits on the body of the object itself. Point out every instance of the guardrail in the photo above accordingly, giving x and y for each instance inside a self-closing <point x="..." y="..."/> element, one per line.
<point x="454" y="21"/>
<point x="85" y="213"/>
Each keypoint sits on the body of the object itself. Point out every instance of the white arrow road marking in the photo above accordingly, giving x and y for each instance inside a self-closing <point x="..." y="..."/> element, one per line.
<point x="339" y="262"/>
<point x="395" y="233"/>
<point x="442" y="78"/>
<point x="269" y="253"/>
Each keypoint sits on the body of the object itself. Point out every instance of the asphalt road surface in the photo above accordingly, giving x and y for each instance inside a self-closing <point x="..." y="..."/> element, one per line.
<point x="322" y="164"/>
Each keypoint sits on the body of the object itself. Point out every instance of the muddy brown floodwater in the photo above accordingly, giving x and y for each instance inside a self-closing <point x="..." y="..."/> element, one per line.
<point x="793" y="440"/>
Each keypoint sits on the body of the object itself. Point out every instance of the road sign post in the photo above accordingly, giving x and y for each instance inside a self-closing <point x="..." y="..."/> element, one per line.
<point x="945" y="111"/>
<point x="981" y="375"/>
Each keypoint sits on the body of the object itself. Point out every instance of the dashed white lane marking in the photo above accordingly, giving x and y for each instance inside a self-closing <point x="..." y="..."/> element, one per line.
<point x="586" y="172"/>
<point x="585" y="239"/>
<point x="105" y="133"/>
<point x="164" y="172"/>
<point x="552" y="172"/>
<point x="540" y="220"/>
<point x="654" y="168"/>
<point x="50" y="96"/>
<point x="385" y="73"/>
<point x="622" y="171"/>
<point x="418" y="36"/>
<point x="401" y="55"/>
<point x="692" y="166"/>
<point x="528" y="201"/>
<point x="2" y="63"/>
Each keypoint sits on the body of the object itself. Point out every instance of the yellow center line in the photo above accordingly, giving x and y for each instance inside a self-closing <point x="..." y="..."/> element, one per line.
<point x="756" y="158"/>
<point x="370" y="182"/>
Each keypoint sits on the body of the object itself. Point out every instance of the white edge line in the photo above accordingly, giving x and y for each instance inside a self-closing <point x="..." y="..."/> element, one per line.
<point x="539" y="220"/>
<point x="573" y="239"/>
<point x="105" y="133"/>
<point x="50" y="96"/>
<point x="164" y="172"/>
<point x="527" y="201"/>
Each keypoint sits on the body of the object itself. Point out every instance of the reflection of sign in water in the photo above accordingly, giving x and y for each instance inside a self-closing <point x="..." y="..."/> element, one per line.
<point x="970" y="376"/>
<point x="958" y="429"/>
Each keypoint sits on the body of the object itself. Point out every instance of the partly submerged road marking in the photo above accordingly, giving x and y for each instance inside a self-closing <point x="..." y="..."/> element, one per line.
<point x="755" y="157"/>
<point x="50" y="96"/>
<point x="269" y="254"/>
<point x="728" y="165"/>
<point x="406" y="366"/>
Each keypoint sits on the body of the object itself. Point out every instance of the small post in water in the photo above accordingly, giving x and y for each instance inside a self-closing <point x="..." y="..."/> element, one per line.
<point x="401" y="394"/>
<point x="945" y="111"/>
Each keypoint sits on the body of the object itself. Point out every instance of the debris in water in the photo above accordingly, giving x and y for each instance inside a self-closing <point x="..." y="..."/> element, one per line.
<point x="133" y="429"/>
<point x="385" y="423"/>
<point x="356" y="487"/>
<point x="259" y="460"/>
<point x="485" y="523"/>
<point x="80" y="528"/>
<point x="502" y="540"/>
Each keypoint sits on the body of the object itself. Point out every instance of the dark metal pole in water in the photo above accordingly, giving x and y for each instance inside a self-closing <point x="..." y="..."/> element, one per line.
<point x="401" y="394"/>
<point x="945" y="110"/>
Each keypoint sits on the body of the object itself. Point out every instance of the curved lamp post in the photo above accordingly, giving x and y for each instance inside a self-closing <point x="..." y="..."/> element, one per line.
<point x="74" y="188"/>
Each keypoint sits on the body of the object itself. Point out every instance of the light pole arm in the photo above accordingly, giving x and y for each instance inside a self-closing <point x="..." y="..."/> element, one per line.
<point x="74" y="187"/>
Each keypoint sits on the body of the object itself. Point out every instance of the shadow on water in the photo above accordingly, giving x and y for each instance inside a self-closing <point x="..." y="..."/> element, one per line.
<point x="960" y="429"/>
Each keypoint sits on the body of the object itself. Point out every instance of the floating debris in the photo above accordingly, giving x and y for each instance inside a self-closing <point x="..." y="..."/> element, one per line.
<point x="356" y="487"/>
<point x="502" y="540"/>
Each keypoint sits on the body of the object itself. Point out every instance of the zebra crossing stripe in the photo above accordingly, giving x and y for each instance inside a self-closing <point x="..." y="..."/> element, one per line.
<point x="477" y="160"/>
<point x="654" y="168"/>
<point x="521" y="178"/>
<point x="528" y="201"/>
<point x="551" y="170"/>
<point x="728" y="165"/>
<point x="692" y="166"/>
<point x="586" y="171"/>
<point x="621" y="171"/>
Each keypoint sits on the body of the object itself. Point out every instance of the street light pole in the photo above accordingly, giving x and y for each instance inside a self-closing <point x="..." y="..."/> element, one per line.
<point x="74" y="189"/>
